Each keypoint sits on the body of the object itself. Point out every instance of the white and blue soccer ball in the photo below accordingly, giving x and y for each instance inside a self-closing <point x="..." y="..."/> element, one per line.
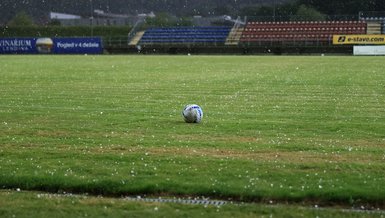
<point x="192" y="113"/>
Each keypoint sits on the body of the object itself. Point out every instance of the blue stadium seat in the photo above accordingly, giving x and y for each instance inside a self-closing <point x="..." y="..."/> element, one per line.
<point x="188" y="35"/>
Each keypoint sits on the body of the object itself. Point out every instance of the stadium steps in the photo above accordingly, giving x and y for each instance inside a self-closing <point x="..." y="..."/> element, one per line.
<point x="383" y="28"/>
<point x="374" y="27"/>
<point x="234" y="36"/>
<point x="136" y="38"/>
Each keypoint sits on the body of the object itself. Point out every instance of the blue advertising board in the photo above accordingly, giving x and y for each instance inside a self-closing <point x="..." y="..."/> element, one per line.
<point x="51" y="45"/>
<point x="77" y="45"/>
<point x="18" y="46"/>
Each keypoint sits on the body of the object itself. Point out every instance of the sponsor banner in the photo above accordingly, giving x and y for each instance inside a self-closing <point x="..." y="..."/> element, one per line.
<point x="18" y="46"/>
<point x="77" y="46"/>
<point x="359" y="39"/>
<point x="51" y="45"/>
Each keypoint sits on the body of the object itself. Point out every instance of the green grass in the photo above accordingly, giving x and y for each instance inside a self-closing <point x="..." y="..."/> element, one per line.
<point x="307" y="130"/>
<point x="49" y="205"/>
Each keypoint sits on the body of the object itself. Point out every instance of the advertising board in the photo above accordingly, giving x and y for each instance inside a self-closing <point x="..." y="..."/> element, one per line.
<point x="51" y="45"/>
<point x="366" y="39"/>
<point x="18" y="46"/>
<point x="369" y="50"/>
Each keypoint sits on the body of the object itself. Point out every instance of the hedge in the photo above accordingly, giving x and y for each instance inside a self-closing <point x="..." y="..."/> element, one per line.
<point x="60" y="31"/>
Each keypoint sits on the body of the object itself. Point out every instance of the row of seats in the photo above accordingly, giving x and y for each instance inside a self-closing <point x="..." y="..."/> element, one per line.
<point x="305" y="26"/>
<point x="350" y="23"/>
<point x="318" y="31"/>
<point x="256" y="31"/>
<point x="286" y="37"/>
<point x="185" y="35"/>
<point x="306" y="30"/>
<point x="311" y="29"/>
<point x="189" y="29"/>
<point x="374" y="18"/>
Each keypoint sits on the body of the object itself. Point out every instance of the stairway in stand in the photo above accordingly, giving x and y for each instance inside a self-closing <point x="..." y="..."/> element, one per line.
<point x="373" y="27"/>
<point x="234" y="36"/>
<point x="136" y="38"/>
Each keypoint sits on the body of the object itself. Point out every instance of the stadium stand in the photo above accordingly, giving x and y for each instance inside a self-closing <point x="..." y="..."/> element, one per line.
<point x="252" y="37"/>
<point x="186" y="35"/>
<point x="300" y="30"/>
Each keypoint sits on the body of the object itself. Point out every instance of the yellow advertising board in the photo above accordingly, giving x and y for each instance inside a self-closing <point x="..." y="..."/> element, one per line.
<point x="359" y="39"/>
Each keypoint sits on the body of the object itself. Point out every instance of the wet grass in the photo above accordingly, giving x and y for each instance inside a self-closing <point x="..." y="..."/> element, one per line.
<point x="282" y="129"/>
<point x="37" y="204"/>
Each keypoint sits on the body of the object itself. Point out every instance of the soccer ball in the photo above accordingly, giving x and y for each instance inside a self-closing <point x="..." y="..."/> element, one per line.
<point x="192" y="113"/>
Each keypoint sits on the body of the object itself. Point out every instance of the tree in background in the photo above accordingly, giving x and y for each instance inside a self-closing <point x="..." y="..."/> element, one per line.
<point x="54" y="22"/>
<point x="344" y="7"/>
<point x="309" y="14"/>
<point x="166" y="20"/>
<point x="277" y="9"/>
<point x="21" y="19"/>
<point x="260" y="11"/>
<point x="161" y="20"/>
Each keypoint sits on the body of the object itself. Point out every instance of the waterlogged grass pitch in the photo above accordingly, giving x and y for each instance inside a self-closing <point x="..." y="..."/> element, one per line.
<point x="275" y="129"/>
